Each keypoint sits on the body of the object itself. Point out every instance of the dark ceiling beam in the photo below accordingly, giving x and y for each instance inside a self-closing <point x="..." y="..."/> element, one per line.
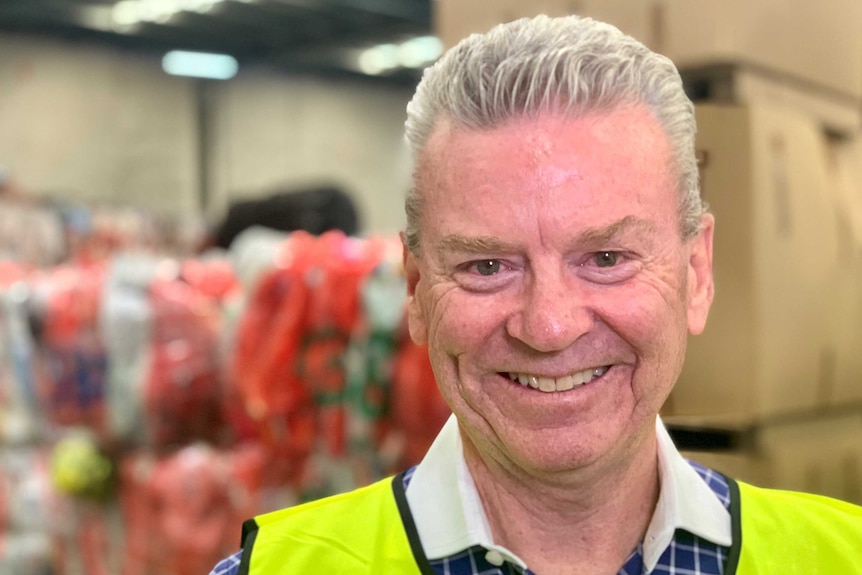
<point x="35" y="11"/>
<point x="304" y="35"/>
<point x="418" y="13"/>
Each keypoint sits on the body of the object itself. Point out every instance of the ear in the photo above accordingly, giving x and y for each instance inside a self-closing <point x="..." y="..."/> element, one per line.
<point x="416" y="323"/>
<point x="700" y="285"/>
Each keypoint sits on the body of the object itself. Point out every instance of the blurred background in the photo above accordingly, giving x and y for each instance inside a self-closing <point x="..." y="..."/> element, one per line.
<point x="201" y="298"/>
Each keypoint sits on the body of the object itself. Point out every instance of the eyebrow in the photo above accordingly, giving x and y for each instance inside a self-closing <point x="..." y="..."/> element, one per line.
<point x="622" y="226"/>
<point x="480" y="245"/>
<point x="457" y="243"/>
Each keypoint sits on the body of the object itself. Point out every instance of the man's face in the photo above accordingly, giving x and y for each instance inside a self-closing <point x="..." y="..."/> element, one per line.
<point x="551" y="255"/>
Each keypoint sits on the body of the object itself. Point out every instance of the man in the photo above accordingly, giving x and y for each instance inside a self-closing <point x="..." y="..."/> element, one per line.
<point x="558" y="255"/>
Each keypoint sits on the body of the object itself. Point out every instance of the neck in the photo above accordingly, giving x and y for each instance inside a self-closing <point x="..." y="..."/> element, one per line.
<point x="584" y="521"/>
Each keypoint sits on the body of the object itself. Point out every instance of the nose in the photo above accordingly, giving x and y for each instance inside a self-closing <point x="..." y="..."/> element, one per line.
<point x="552" y="313"/>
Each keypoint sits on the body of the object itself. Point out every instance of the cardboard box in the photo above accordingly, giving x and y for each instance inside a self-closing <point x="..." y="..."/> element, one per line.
<point x="738" y="84"/>
<point x="766" y="349"/>
<point x="818" y="43"/>
<point x="821" y="454"/>
<point x="453" y="20"/>
<point x="845" y="299"/>
<point x="745" y="466"/>
<point x="791" y="53"/>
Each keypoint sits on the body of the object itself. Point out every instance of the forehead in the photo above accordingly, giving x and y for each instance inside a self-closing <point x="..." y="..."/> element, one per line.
<point x="623" y="131"/>
<point x="616" y="163"/>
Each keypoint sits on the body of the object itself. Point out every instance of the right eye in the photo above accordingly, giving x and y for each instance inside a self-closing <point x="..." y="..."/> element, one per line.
<point x="484" y="275"/>
<point x="487" y="267"/>
<point x="606" y="259"/>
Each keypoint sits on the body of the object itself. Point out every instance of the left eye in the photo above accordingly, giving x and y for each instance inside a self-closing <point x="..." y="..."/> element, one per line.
<point x="487" y="267"/>
<point x="606" y="259"/>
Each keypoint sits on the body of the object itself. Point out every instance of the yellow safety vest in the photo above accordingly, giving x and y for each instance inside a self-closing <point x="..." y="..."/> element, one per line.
<point x="371" y="531"/>
<point x="790" y="533"/>
<point x="366" y="531"/>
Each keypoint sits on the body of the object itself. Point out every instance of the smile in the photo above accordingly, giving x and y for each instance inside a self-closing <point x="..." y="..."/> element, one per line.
<point x="551" y="384"/>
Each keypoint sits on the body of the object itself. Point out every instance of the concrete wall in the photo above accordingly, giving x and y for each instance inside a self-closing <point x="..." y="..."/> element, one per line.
<point x="102" y="125"/>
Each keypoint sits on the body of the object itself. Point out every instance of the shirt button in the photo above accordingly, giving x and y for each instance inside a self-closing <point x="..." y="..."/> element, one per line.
<point x="494" y="558"/>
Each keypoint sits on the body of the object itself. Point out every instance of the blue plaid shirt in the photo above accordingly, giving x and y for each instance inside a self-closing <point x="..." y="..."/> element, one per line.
<point x="686" y="555"/>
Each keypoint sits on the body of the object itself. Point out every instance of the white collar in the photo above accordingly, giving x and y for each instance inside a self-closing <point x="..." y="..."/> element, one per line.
<point x="450" y="518"/>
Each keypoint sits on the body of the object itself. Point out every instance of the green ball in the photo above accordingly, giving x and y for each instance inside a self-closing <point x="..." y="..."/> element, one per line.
<point x="78" y="468"/>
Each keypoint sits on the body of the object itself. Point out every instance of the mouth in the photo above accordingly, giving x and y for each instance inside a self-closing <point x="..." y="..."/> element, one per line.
<point x="554" y="384"/>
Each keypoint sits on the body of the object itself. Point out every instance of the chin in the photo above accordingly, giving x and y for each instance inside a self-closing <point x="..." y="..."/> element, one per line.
<point x="532" y="452"/>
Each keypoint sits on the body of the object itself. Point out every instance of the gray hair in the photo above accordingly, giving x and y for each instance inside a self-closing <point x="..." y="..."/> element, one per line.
<point x="571" y="64"/>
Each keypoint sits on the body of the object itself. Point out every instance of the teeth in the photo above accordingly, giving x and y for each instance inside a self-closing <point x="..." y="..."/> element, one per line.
<point x="566" y="383"/>
<point x="581" y="377"/>
<point x="549" y="384"/>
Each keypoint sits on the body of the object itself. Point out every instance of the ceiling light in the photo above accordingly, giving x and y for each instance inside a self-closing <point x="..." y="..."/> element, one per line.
<point x="379" y="59"/>
<point x="200" y="65"/>
<point x="126" y="13"/>
<point x="158" y="10"/>
<point x="417" y="52"/>
<point x="205" y="5"/>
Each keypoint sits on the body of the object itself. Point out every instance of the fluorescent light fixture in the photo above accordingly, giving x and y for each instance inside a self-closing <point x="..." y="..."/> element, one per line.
<point x="413" y="53"/>
<point x="379" y="59"/>
<point x="129" y="13"/>
<point x="200" y="65"/>
<point x="201" y="6"/>
<point x="126" y="13"/>
<point x="417" y="52"/>
<point x="158" y="10"/>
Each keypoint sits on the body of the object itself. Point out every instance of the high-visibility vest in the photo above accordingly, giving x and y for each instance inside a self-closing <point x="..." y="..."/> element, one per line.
<point x="371" y="531"/>
<point x="790" y="533"/>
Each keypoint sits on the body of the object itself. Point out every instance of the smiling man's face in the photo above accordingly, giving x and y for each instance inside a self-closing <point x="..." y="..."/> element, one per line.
<point x="553" y="286"/>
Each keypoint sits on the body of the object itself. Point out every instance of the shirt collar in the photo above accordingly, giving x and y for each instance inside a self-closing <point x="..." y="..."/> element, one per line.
<point x="685" y="501"/>
<point x="450" y="518"/>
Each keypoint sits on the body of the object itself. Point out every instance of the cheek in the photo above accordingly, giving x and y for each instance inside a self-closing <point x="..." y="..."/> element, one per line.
<point x="461" y="324"/>
<point x="454" y="325"/>
<point x="652" y="319"/>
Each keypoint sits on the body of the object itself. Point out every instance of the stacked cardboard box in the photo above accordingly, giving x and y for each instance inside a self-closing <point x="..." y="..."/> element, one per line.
<point x="845" y="297"/>
<point x="767" y="348"/>
<point x="817" y="455"/>
<point x="456" y="19"/>
<point x="780" y="358"/>
<point x="790" y="52"/>
<point x="784" y="333"/>
<point x="816" y="43"/>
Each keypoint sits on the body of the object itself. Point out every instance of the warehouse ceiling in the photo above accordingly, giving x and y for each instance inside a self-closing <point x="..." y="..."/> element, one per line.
<point x="314" y="36"/>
